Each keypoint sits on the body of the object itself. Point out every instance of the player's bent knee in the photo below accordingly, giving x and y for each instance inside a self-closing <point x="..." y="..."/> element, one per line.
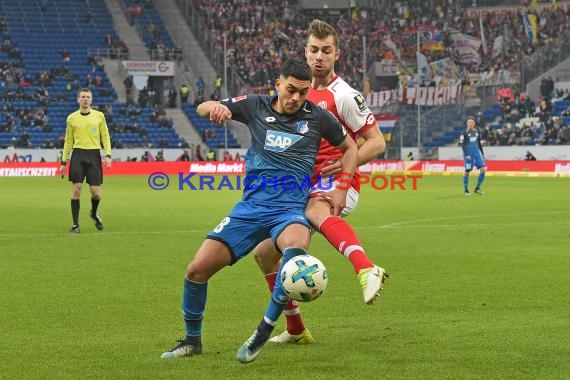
<point x="197" y="274"/>
<point x="202" y="271"/>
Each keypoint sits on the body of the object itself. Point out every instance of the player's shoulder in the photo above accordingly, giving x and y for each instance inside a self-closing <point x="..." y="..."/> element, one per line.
<point x="317" y="112"/>
<point x="341" y="89"/>
<point x="347" y="96"/>
<point x="246" y="100"/>
<point x="322" y="116"/>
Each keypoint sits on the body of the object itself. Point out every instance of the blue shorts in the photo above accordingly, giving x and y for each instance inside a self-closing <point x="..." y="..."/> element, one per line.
<point x="249" y="224"/>
<point x="475" y="160"/>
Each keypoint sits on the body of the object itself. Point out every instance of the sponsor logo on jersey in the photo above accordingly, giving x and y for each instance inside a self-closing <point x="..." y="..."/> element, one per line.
<point x="270" y="119"/>
<point x="360" y="102"/>
<point x="279" y="141"/>
<point x="323" y="104"/>
<point x="238" y="98"/>
<point x="306" y="107"/>
<point x="303" y="126"/>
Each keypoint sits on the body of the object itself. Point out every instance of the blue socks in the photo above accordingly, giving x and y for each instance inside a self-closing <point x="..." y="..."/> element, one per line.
<point x="193" y="306"/>
<point x="480" y="180"/>
<point x="466" y="181"/>
<point x="195" y="293"/>
<point x="278" y="298"/>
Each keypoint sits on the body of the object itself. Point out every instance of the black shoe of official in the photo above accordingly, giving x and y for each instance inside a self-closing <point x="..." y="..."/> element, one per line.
<point x="97" y="219"/>
<point x="74" y="229"/>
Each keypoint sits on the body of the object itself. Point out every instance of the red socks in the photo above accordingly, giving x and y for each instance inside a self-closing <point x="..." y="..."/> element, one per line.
<point x="341" y="235"/>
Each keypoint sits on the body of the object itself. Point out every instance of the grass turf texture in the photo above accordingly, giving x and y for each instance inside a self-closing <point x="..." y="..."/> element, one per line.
<point x="479" y="286"/>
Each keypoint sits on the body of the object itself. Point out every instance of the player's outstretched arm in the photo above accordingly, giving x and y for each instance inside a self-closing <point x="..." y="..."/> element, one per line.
<point x="215" y="111"/>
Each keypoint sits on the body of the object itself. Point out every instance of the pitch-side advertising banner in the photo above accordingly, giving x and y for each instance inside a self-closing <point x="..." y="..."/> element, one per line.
<point x="43" y="169"/>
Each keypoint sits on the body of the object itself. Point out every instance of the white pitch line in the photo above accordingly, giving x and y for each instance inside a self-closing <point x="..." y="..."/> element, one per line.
<point x="463" y="226"/>
<point x="414" y="223"/>
<point x="461" y="217"/>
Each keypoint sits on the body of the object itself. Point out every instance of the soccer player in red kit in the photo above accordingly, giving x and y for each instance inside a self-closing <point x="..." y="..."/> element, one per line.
<point x="331" y="92"/>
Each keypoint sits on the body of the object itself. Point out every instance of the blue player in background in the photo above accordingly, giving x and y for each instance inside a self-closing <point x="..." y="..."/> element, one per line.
<point x="286" y="133"/>
<point x="470" y="142"/>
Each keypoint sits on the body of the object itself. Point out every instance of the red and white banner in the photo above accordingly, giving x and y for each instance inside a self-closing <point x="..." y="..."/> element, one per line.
<point x="424" y="96"/>
<point x="41" y="169"/>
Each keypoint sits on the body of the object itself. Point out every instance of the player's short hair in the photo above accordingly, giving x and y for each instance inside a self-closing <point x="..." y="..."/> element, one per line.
<point x="471" y="118"/>
<point x="322" y="30"/>
<point x="298" y="69"/>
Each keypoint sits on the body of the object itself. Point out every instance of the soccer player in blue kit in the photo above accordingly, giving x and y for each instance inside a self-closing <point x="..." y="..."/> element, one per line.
<point x="286" y="134"/>
<point x="470" y="142"/>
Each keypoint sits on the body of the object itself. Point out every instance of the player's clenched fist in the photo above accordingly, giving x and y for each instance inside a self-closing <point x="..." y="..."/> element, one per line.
<point x="220" y="113"/>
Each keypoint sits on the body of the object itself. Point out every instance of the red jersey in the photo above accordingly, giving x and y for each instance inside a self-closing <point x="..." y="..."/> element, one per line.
<point x="351" y="110"/>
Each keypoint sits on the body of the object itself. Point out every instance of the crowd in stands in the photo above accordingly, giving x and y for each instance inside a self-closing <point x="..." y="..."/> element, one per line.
<point x="524" y="122"/>
<point x="553" y="132"/>
<point x="117" y="48"/>
<point x="33" y="113"/>
<point x="261" y="34"/>
<point x="143" y="15"/>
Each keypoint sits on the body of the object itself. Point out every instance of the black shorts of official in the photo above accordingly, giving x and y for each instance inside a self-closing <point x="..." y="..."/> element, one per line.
<point x="86" y="163"/>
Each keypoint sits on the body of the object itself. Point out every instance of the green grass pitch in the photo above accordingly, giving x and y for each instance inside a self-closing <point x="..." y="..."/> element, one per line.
<point x="479" y="286"/>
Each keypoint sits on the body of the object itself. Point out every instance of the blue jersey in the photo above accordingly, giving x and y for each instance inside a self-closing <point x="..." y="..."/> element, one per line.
<point x="471" y="143"/>
<point x="280" y="161"/>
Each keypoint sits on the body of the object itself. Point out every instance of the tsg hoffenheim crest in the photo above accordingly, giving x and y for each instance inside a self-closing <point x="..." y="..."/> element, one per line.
<point x="302" y="126"/>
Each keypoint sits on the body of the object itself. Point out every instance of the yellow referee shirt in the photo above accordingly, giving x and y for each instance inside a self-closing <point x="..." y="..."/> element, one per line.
<point x="86" y="132"/>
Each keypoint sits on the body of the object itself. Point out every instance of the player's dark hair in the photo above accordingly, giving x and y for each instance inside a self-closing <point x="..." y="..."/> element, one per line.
<point x="298" y="69"/>
<point x="322" y="30"/>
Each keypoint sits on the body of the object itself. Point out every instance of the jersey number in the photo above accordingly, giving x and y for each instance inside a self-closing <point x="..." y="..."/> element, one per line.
<point x="222" y="224"/>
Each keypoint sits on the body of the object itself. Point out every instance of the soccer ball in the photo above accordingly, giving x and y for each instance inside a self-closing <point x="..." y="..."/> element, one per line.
<point x="304" y="278"/>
